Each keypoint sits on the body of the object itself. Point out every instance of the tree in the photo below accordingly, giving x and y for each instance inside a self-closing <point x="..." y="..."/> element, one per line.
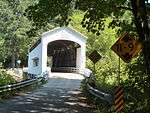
<point x="96" y="11"/>
<point x="141" y="21"/>
<point x="14" y="26"/>
<point x="50" y="11"/>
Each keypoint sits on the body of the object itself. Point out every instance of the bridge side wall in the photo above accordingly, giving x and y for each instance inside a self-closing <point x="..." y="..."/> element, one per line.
<point x="34" y="54"/>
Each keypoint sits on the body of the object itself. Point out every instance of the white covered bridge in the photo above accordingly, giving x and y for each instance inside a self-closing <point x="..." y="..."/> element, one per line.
<point x="59" y="48"/>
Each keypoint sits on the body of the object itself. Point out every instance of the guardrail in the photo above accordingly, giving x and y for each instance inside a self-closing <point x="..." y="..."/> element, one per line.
<point x="100" y="94"/>
<point x="19" y="85"/>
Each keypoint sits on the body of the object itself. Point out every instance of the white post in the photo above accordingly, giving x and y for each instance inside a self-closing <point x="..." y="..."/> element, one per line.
<point x="81" y="58"/>
<point x="44" y="56"/>
<point x="78" y="58"/>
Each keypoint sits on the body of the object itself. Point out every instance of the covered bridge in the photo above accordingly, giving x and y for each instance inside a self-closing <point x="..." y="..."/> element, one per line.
<point x="57" y="49"/>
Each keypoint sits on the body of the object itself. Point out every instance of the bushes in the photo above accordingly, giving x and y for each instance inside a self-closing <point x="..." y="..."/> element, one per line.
<point x="137" y="87"/>
<point x="135" y="81"/>
<point x="5" y="78"/>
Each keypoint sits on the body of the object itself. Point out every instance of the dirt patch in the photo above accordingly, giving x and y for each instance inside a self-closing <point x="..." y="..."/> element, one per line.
<point x="17" y="74"/>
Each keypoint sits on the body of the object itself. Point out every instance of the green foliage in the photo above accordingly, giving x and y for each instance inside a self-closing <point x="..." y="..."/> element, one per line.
<point x="107" y="67"/>
<point x="136" y="86"/>
<point x="13" y="27"/>
<point x="55" y="11"/>
<point x="5" y="78"/>
<point x="96" y="13"/>
<point x="133" y="75"/>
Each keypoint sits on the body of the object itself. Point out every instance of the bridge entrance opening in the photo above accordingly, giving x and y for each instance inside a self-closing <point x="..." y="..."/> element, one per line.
<point x="62" y="55"/>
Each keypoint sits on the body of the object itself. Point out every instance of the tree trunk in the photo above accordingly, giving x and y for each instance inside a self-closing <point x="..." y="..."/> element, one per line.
<point x="141" y="22"/>
<point x="13" y="59"/>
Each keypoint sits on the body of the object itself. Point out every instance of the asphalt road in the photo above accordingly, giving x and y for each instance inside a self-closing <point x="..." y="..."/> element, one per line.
<point x="59" y="95"/>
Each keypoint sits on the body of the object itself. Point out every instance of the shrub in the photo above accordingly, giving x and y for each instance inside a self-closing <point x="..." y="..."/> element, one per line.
<point x="5" y="78"/>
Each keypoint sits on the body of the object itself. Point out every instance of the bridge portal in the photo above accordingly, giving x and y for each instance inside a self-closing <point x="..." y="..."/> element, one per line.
<point x="62" y="54"/>
<point x="57" y="49"/>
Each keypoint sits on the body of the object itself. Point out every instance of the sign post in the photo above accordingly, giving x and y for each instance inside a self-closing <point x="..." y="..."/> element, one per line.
<point x="95" y="57"/>
<point x="119" y="80"/>
<point x="126" y="48"/>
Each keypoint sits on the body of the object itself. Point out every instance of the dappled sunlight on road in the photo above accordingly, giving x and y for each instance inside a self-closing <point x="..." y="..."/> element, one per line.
<point x="59" y="95"/>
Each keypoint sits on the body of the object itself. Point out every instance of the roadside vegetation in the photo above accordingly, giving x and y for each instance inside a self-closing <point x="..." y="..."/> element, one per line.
<point x="132" y="74"/>
<point x="5" y="78"/>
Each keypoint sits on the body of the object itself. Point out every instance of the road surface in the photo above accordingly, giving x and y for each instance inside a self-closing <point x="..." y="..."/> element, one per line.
<point x="59" y="95"/>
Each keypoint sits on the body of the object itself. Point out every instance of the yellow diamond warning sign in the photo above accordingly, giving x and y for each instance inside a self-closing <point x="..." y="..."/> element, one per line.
<point x="126" y="47"/>
<point x="95" y="56"/>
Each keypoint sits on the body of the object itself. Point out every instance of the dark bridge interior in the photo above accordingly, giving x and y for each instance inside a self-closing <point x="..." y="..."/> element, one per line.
<point x="63" y="55"/>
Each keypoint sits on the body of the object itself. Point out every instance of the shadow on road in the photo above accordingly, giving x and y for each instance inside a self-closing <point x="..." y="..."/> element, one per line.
<point x="59" y="95"/>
